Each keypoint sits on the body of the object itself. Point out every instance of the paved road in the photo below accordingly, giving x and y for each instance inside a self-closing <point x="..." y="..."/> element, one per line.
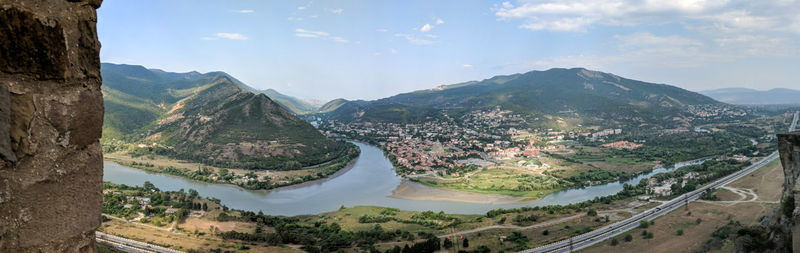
<point x="129" y="245"/>
<point x="593" y="237"/>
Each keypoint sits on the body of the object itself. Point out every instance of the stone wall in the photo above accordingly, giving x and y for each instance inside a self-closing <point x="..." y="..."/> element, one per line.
<point x="789" y="147"/>
<point x="51" y="116"/>
<point x="780" y="230"/>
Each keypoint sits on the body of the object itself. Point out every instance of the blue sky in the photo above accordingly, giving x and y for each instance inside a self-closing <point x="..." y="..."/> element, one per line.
<point x="374" y="49"/>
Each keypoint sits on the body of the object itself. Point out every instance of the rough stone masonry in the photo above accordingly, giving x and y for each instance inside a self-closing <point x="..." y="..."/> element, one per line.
<point x="51" y="116"/>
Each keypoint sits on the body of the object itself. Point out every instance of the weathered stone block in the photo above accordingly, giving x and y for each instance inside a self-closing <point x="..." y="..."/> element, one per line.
<point x="6" y="152"/>
<point x="29" y="46"/>
<point x="51" y="113"/>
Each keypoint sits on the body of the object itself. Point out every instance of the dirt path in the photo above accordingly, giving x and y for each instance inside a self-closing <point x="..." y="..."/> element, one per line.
<point x="171" y="227"/>
<point x="744" y="194"/>
<point x="537" y="225"/>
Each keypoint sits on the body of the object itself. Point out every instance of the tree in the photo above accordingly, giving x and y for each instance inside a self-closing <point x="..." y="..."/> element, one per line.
<point x="193" y="193"/>
<point x="592" y="213"/>
<point x="148" y="186"/>
<point x="680" y="232"/>
<point x="614" y="242"/>
<point x="546" y="232"/>
<point x="205" y="206"/>
<point x="448" y="243"/>
<point x="628" y="238"/>
<point x="465" y="243"/>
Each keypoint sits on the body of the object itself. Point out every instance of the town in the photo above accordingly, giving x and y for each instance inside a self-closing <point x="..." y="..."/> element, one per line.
<point x="481" y="137"/>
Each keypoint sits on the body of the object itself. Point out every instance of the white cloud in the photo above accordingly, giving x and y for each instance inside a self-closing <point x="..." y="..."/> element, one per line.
<point x="306" y="35"/>
<point x="337" y="11"/>
<point x="303" y="7"/>
<point x="439" y="21"/>
<point x="675" y="51"/>
<point x="414" y="40"/>
<point x="562" y="25"/>
<point x="579" y="15"/>
<point x="383" y="30"/>
<point x="466" y="66"/>
<point x="231" y="36"/>
<point x="303" y="33"/>
<point x="210" y="38"/>
<point x="339" y="39"/>
<point x="315" y="33"/>
<point x="393" y="51"/>
<point x="646" y="39"/>
<point x="426" y="28"/>
<point x="245" y="11"/>
<point x="294" y="19"/>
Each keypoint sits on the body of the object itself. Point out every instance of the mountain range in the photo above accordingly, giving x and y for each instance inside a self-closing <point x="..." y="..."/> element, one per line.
<point x="575" y="95"/>
<point x="744" y="96"/>
<point x="210" y="118"/>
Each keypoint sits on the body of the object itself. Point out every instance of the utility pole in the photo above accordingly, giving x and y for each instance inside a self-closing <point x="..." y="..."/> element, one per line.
<point x="570" y="245"/>
<point x="686" y="201"/>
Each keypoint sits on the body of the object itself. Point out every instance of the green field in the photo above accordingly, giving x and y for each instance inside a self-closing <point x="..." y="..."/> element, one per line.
<point x="505" y="181"/>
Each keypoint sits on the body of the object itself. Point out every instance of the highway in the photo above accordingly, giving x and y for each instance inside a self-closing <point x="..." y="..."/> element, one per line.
<point x="132" y="246"/>
<point x="596" y="236"/>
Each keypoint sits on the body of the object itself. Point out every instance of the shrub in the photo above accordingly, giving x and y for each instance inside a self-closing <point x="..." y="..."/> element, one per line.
<point x="787" y="205"/>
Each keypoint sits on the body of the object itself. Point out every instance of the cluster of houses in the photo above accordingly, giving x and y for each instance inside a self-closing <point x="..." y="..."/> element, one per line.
<point x="443" y="142"/>
<point x="140" y="202"/>
<point x="664" y="188"/>
<point x="530" y="150"/>
<point x="622" y="145"/>
<point x="717" y="111"/>
<point x="422" y="146"/>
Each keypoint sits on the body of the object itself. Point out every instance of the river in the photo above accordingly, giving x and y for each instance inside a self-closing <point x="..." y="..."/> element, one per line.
<point x="369" y="183"/>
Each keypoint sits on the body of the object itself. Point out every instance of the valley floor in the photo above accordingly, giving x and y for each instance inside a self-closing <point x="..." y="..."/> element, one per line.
<point x="743" y="201"/>
<point x="753" y="197"/>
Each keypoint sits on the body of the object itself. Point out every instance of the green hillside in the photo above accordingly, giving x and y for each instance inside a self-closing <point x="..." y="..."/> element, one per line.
<point x="209" y="118"/>
<point x="585" y="95"/>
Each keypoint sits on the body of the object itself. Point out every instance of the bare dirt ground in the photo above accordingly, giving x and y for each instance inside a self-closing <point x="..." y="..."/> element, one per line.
<point x="745" y="200"/>
<point x="205" y="225"/>
<point x="180" y="241"/>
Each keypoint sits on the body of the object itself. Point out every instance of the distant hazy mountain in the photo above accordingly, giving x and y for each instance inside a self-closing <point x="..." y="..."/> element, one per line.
<point x="754" y="97"/>
<point x="580" y="94"/>
<point x="210" y="118"/>
<point x="293" y="104"/>
<point x="332" y="105"/>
